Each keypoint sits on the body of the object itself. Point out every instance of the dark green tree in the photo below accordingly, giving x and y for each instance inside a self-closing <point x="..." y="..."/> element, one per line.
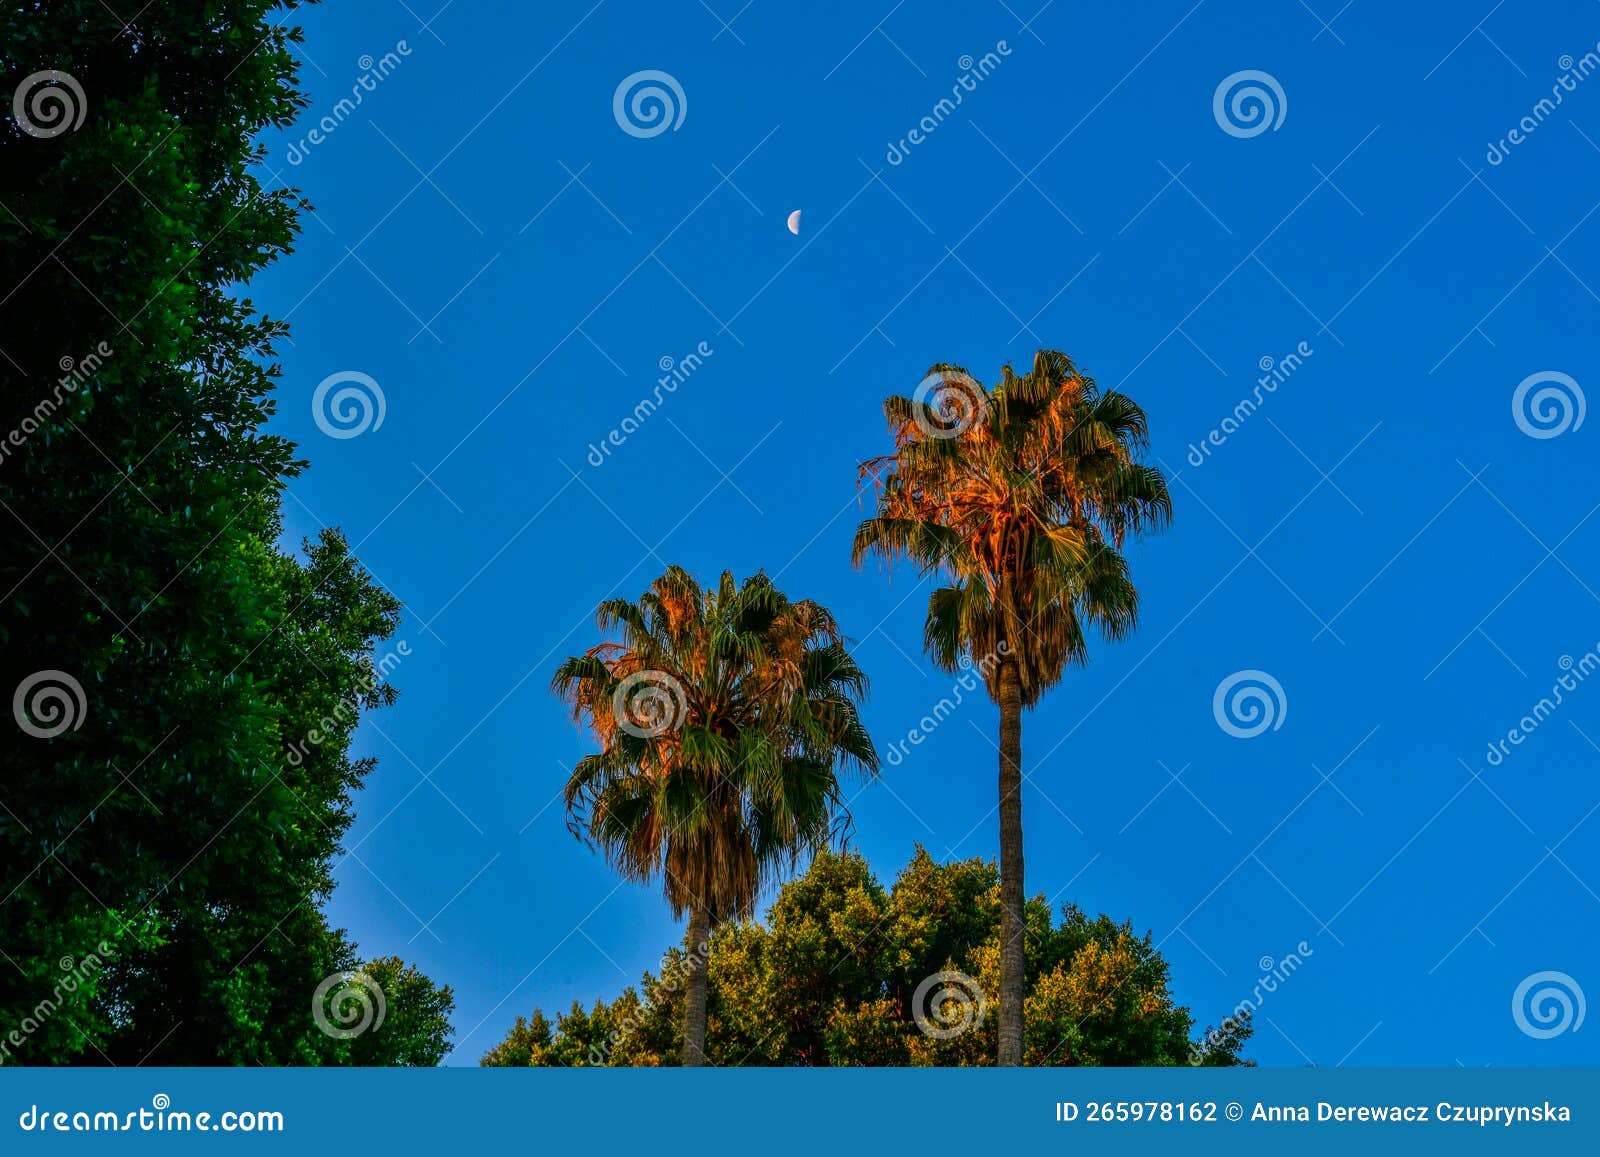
<point x="176" y="775"/>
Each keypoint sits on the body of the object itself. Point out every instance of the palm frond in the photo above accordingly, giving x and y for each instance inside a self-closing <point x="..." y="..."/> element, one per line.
<point x="735" y="773"/>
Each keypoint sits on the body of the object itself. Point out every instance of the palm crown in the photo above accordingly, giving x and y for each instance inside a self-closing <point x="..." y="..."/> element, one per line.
<point x="722" y="716"/>
<point x="1023" y="501"/>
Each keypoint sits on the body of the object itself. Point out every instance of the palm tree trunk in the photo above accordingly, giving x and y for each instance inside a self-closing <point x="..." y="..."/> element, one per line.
<point x="694" y="1014"/>
<point x="1012" y="981"/>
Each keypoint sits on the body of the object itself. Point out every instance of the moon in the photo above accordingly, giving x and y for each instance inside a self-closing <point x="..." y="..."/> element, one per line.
<point x="794" y="222"/>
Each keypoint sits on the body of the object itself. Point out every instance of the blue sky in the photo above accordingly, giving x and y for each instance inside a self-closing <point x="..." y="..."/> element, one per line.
<point x="1380" y="535"/>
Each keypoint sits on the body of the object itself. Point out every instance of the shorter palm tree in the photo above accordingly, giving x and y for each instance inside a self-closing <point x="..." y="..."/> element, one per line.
<point x="723" y="716"/>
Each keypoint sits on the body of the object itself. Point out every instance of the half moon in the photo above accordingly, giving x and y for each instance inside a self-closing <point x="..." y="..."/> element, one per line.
<point x="794" y="222"/>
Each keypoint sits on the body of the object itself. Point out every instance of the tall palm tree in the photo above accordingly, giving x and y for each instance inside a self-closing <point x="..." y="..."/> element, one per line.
<point x="1020" y="498"/>
<point x="723" y="716"/>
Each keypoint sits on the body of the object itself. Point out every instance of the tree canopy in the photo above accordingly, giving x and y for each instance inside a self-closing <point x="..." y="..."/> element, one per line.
<point x="831" y="976"/>
<point x="178" y="778"/>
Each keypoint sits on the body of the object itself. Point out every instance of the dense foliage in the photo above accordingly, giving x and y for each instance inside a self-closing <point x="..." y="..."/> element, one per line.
<point x="165" y="856"/>
<point x="831" y="976"/>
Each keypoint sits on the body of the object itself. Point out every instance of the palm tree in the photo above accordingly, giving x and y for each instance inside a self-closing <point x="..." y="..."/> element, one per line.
<point x="1020" y="498"/>
<point x="723" y="717"/>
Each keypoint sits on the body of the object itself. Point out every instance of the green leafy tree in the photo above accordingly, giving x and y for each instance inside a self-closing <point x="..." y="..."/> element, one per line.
<point x="527" y="1044"/>
<point x="723" y="716"/>
<point x="834" y="976"/>
<point x="1020" y="498"/>
<point x="416" y="1028"/>
<point x="177" y="778"/>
